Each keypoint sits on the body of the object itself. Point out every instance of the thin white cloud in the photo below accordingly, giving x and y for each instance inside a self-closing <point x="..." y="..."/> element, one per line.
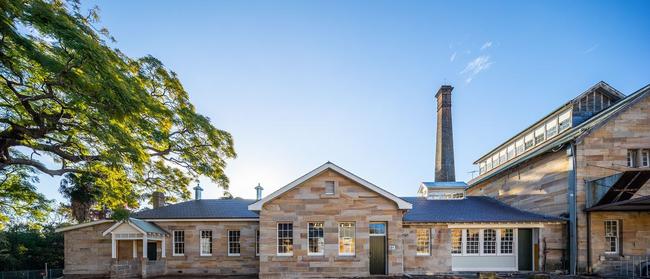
<point x="476" y="66"/>
<point x="453" y="57"/>
<point x="486" y="45"/>
<point x="594" y="47"/>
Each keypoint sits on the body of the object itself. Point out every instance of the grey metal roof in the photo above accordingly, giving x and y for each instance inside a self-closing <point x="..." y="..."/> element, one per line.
<point x="472" y="209"/>
<point x="202" y="209"/>
<point x="446" y="184"/>
<point x="146" y="226"/>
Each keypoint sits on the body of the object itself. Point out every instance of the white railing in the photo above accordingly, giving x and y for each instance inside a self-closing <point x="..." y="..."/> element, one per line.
<point x="634" y="267"/>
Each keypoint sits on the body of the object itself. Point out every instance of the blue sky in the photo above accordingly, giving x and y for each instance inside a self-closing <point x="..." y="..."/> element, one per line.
<point x="299" y="83"/>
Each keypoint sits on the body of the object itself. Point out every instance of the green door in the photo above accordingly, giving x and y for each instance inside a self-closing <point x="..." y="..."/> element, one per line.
<point x="525" y="249"/>
<point x="377" y="248"/>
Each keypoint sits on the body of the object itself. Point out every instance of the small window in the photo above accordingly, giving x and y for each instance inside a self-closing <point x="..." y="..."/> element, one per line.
<point x="519" y="146"/>
<point x="329" y="187"/>
<point x="257" y="242"/>
<point x="456" y="241"/>
<point x="507" y="240"/>
<point x="179" y="243"/>
<point x="346" y="239"/>
<point x="234" y="247"/>
<point x="551" y="128"/>
<point x="489" y="241"/>
<point x="540" y="134"/>
<point x="511" y="151"/>
<point x="565" y="121"/>
<point x="495" y="160"/>
<point x="529" y="141"/>
<point x="645" y="158"/>
<point x="631" y="158"/>
<point x="206" y="243"/>
<point x="473" y="240"/>
<point x="377" y="228"/>
<point x="285" y="239"/>
<point x="316" y="238"/>
<point x="423" y="242"/>
<point x="611" y="236"/>
<point x="488" y="164"/>
<point x="481" y="168"/>
<point x="503" y="157"/>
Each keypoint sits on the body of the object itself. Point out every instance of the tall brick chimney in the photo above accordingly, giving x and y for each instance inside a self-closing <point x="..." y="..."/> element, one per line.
<point x="445" y="170"/>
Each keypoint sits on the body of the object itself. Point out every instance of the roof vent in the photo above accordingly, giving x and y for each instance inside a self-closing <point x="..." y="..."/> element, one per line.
<point x="259" y="189"/>
<point x="197" y="192"/>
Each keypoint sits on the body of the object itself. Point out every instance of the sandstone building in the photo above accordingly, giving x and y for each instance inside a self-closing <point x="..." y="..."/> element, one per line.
<point x="531" y="205"/>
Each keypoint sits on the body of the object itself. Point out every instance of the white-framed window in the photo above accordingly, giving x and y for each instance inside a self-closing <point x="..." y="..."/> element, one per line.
<point x="316" y="239"/>
<point x="423" y="241"/>
<point x="456" y="241"/>
<point x="178" y="242"/>
<point x="257" y="242"/>
<point x="645" y="158"/>
<point x="488" y="164"/>
<point x="507" y="241"/>
<point x="551" y="128"/>
<point x="503" y="156"/>
<point x="511" y="151"/>
<point x="346" y="239"/>
<point x="611" y="236"/>
<point x="330" y="187"/>
<point x="564" y="121"/>
<point x="472" y="240"/>
<point x="529" y="141"/>
<point x="540" y="135"/>
<point x="285" y="239"/>
<point x="205" y="248"/>
<point x="519" y="146"/>
<point x="234" y="246"/>
<point x="495" y="160"/>
<point x="489" y="241"/>
<point x="481" y="167"/>
<point x="632" y="158"/>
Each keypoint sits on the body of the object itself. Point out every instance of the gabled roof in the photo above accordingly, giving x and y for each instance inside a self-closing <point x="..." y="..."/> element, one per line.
<point x="401" y="204"/>
<point x="201" y="209"/>
<point x="575" y="133"/>
<point x="472" y="209"/>
<point x="141" y="226"/>
<point x="82" y="225"/>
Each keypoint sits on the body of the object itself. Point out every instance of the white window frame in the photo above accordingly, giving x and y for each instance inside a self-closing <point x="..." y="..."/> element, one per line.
<point x="645" y="155"/>
<point x="616" y="236"/>
<point x="309" y="237"/>
<point x="518" y="143"/>
<point x="511" y="152"/>
<point x="527" y="138"/>
<point x="354" y="239"/>
<point x="496" y="248"/>
<point x="540" y="132"/>
<point x="550" y="125"/>
<point x="238" y="242"/>
<point x="466" y="242"/>
<point x="452" y="242"/>
<point x="632" y="158"/>
<point x="495" y="160"/>
<point x="464" y="233"/>
<point x="512" y="244"/>
<point x="174" y="242"/>
<point x="565" y="116"/>
<point x="201" y="238"/>
<point x="277" y="243"/>
<point x="428" y="242"/>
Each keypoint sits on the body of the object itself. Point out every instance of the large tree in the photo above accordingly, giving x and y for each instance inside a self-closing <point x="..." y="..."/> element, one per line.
<point x="71" y="104"/>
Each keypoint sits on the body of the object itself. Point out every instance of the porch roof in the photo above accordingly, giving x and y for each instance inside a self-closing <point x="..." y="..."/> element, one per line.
<point x="636" y="204"/>
<point x="470" y="209"/>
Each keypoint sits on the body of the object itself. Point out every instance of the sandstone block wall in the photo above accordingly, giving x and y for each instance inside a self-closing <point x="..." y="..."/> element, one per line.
<point x="86" y="252"/>
<point x="440" y="259"/>
<point x="307" y="202"/>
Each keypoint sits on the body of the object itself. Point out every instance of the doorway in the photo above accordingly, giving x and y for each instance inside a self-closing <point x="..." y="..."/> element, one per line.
<point x="525" y="249"/>
<point x="377" y="248"/>
<point x="152" y="251"/>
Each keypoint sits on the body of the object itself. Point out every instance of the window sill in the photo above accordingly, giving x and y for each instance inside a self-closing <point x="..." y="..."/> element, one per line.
<point x="234" y="255"/>
<point x="346" y="258"/>
<point x="205" y="255"/>
<point x="422" y="255"/>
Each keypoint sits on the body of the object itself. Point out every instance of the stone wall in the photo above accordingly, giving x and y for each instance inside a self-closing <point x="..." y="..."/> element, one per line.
<point x="86" y="252"/>
<point x="602" y="153"/>
<point x="131" y="268"/>
<point x="219" y="263"/>
<point x="307" y="202"/>
<point x="440" y="259"/>
<point x="634" y="239"/>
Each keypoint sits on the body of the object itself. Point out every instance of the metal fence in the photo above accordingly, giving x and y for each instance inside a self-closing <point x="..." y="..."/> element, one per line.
<point x="633" y="267"/>
<point x="52" y="273"/>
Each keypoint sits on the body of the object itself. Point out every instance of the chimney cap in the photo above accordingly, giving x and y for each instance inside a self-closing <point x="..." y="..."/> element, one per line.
<point x="197" y="188"/>
<point x="444" y="88"/>
<point x="259" y="186"/>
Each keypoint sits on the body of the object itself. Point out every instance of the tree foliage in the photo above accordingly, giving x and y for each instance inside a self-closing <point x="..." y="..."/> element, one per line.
<point x="18" y="196"/>
<point x="24" y="248"/>
<point x="71" y="104"/>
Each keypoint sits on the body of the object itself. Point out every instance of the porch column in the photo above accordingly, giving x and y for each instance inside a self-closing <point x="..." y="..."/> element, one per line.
<point x="135" y="248"/>
<point x="163" y="253"/>
<point x="144" y="246"/>
<point x="113" y="246"/>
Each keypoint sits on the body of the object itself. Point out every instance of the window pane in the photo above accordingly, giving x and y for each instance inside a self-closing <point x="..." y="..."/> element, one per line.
<point x="645" y="158"/>
<point x="503" y="156"/>
<point x="631" y="158"/>
<point x="329" y="187"/>
<point x="206" y="243"/>
<point x="285" y="238"/>
<point x="472" y="244"/>
<point x="489" y="241"/>
<point x="316" y="239"/>
<point x="611" y="236"/>
<point x="257" y="242"/>
<point x="507" y="238"/>
<point x="529" y="141"/>
<point x="377" y="228"/>
<point x="565" y="121"/>
<point x="423" y="241"/>
<point x="551" y="128"/>
<point x="179" y="242"/>
<point x="519" y="146"/>
<point x="456" y="241"/>
<point x="346" y="239"/>
<point x="511" y="151"/>
<point x="540" y="135"/>
<point x="233" y="243"/>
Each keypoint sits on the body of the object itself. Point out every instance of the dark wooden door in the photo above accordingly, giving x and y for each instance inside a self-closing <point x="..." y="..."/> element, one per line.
<point x="525" y="249"/>
<point x="377" y="248"/>
<point x="152" y="251"/>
